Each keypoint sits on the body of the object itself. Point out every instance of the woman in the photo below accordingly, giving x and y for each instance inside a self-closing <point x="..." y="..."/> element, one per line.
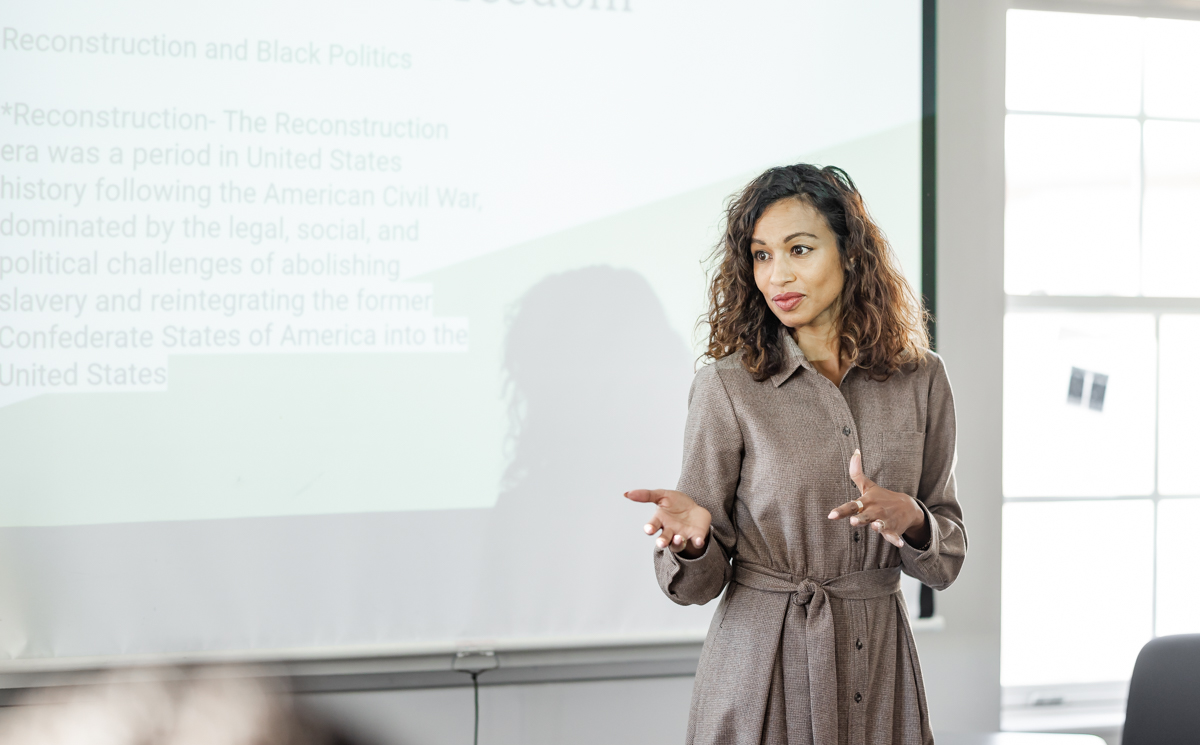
<point x="819" y="460"/>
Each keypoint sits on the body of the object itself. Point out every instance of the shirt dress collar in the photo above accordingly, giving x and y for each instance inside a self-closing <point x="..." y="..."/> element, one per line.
<point x="793" y="358"/>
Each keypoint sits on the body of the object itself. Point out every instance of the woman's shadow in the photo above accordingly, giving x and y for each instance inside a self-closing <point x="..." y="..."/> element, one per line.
<point x="597" y="384"/>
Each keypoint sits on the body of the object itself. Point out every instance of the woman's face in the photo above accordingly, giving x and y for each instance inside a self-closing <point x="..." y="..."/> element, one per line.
<point x="796" y="263"/>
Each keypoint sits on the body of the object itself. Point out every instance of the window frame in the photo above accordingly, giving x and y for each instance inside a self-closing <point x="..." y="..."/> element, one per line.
<point x="1076" y="706"/>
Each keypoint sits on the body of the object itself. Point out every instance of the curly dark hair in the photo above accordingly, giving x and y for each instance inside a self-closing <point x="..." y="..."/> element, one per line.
<point x="880" y="322"/>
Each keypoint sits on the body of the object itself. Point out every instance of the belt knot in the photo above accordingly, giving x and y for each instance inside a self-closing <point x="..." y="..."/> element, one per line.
<point x="806" y="591"/>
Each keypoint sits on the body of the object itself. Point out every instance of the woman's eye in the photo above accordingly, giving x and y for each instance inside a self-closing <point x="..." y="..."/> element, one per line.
<point x="761" y="256"/>
<point x="800" y="250"/>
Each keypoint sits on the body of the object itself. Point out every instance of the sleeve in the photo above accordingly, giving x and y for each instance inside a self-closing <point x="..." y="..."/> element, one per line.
<point x="938" y="564"/>
<point x="712" y="464"/>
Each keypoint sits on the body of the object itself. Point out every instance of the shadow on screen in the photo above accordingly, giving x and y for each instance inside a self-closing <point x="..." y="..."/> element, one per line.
<point x="597" y="386"/>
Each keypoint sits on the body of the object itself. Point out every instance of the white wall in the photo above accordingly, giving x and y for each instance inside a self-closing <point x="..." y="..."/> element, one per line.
<point x="649" y="710"/>
<point x="962" y="664"/>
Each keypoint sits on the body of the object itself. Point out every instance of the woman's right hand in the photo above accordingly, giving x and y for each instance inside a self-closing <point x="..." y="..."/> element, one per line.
<point x="684" y="524"/>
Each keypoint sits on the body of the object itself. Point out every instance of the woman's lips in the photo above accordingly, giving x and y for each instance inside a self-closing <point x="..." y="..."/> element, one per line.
<point x="787" y="301"/>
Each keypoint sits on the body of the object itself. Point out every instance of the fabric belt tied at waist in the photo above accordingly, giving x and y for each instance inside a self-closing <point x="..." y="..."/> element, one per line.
<point x="819" y="641"/>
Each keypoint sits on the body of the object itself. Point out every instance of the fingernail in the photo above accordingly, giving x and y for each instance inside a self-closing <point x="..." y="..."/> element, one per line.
<point x="857" y="452"/>
<point x="833" y="515"/>
<point x="648" y="528"/>
<point x="660" y="543"/>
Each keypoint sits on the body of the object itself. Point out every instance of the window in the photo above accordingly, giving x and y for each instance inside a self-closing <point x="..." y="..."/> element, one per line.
<point x="1102" y="352"/>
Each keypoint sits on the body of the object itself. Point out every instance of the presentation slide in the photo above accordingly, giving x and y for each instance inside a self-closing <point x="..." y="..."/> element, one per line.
<point x="325" y="325"/>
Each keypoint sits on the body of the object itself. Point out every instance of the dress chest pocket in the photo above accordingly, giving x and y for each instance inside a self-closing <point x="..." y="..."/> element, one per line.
<point x="893" y="459"/>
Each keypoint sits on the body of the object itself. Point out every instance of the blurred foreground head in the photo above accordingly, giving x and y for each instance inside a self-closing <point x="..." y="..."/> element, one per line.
<point x="166" y="707"/>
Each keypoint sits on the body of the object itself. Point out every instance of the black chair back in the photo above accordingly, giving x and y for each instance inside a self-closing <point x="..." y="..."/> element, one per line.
<point x="1164" y="693"/>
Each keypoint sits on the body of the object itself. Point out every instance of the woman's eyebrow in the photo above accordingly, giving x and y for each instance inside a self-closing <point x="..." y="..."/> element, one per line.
<point x="785" y="240"/>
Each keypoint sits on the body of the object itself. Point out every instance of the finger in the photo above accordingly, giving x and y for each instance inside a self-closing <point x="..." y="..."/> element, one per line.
<point x="867" y="516"/>
<point x="849" y="509"/>
<point x="654" y="525"/>
<point x="665" y="538"/>
<point x="682" y="542"/>
<point x="879" y="526"/>
<point x="646" y="495"/>
<point x="856" y="473"/>
<point x="892" y="538"/>
<point x="701" y="528"/>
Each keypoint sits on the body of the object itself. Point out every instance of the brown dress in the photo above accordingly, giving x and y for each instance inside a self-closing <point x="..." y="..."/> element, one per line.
<point x="811" y="642"/>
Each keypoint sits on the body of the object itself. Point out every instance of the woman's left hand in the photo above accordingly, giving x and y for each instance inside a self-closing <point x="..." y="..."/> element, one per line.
<point x="889" y="513"/>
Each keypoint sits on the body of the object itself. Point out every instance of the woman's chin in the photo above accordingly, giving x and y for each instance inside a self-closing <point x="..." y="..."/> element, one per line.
<point x="794" y="320"/>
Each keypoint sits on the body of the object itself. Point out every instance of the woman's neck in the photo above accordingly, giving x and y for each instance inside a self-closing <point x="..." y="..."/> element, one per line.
<point x="819" y="342"/>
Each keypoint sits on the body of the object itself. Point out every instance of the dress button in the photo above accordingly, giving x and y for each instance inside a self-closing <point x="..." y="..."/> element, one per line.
<point x="858" y="698"/>
<point x="858" y="643"/>
<point x="846" y="431"/>
<point x="857" y="537"/>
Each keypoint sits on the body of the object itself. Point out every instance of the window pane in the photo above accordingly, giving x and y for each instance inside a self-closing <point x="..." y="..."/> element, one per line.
<point x="1070" y="613"/>
<point x="1178" y="601"/>
<point x="1071" y="206"/>
<point x="1073" y="63"/>
<point x="1179" y="404"/>
<point x="1078" y="404"/>
<point x="1173" y="68"/>
<point x="1170" y="242"/>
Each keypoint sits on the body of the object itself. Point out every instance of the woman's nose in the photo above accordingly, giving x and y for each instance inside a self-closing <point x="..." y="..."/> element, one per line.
<point x="782" y="274"/>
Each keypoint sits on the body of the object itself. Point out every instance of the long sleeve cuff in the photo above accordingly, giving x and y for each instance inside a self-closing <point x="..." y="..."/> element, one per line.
<point x="693" y="581"/>
<point x="924" y="563"/>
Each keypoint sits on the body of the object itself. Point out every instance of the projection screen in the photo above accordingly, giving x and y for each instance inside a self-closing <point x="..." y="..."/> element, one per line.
<point x="346" y="325"/>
